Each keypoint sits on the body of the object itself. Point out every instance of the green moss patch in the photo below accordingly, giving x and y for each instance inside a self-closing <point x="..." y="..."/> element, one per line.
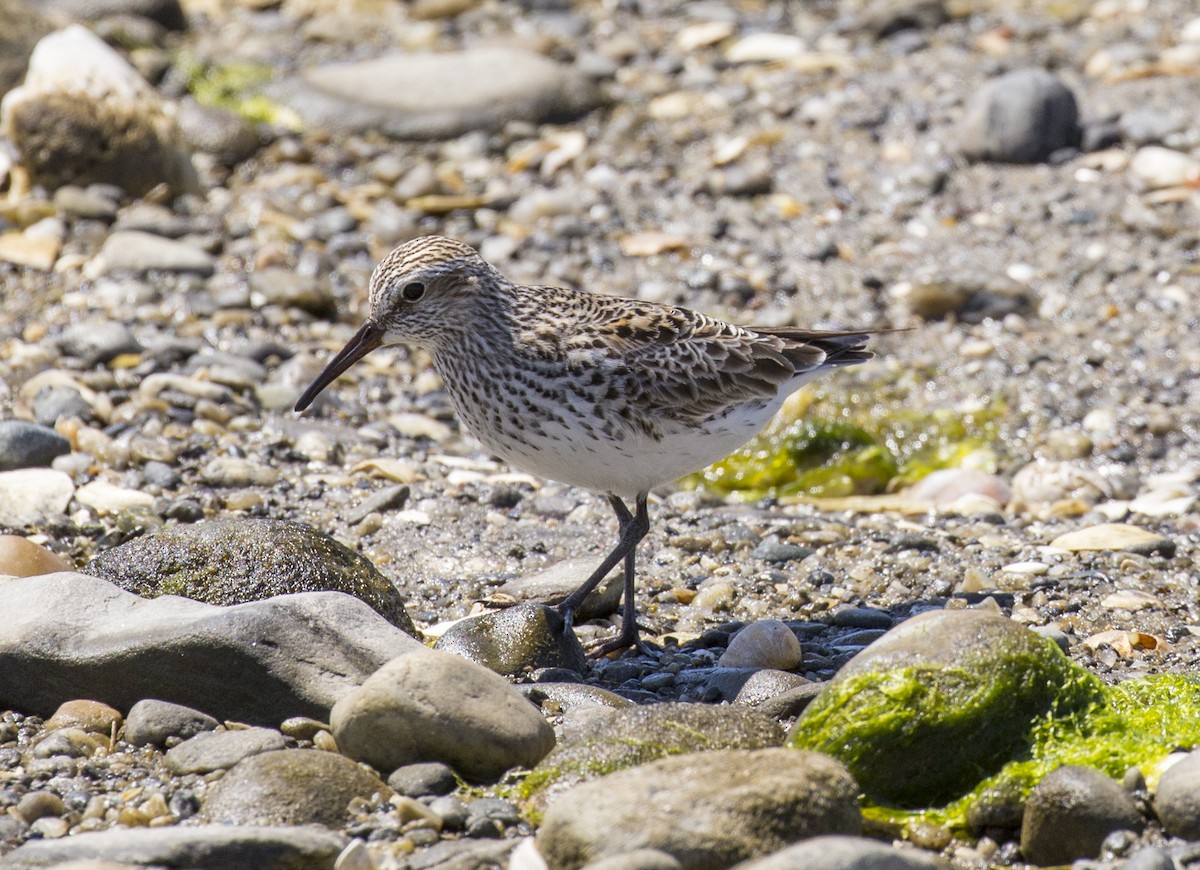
<point x="833" y="444"/>
<point x="1136" y="723"/>
<point x="235" y="85"/>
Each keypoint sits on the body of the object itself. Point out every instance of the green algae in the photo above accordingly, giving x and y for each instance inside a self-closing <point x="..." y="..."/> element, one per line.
<point x="1135" y="723"/>
<point x="831" y="444"/>
<point x="234" y="85"/>
<point x="887" y="723"/>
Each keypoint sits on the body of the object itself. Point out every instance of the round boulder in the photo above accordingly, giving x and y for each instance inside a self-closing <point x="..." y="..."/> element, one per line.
<point x="290" y="787"/>
<point x="1177" y="801"/>
<point x="939" y="702"/>
<point x="233" y="561"/>
<point x="427" y="705"/>
<point x="707" y="809"/>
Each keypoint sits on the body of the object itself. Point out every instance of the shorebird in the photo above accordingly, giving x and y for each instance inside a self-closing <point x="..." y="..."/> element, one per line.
<point x="614" y="395"/>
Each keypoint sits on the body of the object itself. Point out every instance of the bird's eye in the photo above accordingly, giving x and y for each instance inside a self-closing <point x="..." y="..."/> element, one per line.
<point x="413" y="291"/>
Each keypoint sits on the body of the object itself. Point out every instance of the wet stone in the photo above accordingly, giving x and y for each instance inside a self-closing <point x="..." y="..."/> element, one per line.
<point x="515" y="640"/>
<point x="1071" y="811"/>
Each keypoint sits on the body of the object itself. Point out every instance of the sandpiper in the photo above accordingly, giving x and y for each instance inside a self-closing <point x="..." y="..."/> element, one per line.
<point x="610" y="394"/>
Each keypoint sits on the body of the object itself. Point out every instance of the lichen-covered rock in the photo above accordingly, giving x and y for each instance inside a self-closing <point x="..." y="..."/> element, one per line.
<point x="610" y="740"/>
<point x="84" y="115"/>
<point x="290" y="787"/>
<point x="232" y="561"/>
<point x="939" y="702"/>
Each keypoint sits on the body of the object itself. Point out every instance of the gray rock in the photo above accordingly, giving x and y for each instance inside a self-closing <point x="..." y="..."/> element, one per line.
<point x="290" y="787"/>
<point x="553" y="584"/>
<point x="754" y="687"/>
<point x="218" y="750"/>
<point x="229" y="137"/>
<point x="27" y="445"/>
<point x="233" y="561"/>
<point x="55" y="403"/>
<point x="92" y="202"/>
<point x="206" y="847"/>
<point x="1177" y="800"/>
<point x="1020" y="117"/>
<point x="137" y="252"/>
<point x="81" y="637"/>
<point x="835" y="852"/>
<point x="98" y="342"/>
<point x="85" y="115"/>
<point x="33" y="497"/>
<point x="152" y="722"/>
<point x="420" y="780"/>
<point x="973" y="684"/>
<point x="24" y="25"/>
<point x="707" y="809"/>
<point x="515" y="640"/>
<point x="788" y="704"/>
<point x="572" y="696"/>
<point x="608" y="740"/>
<point x="427" y="705"/>
<point x="287" y="287"/>
<point x="438" y="96"/>
<point x="1070" y="812"/>
<point x="237" y="473"/>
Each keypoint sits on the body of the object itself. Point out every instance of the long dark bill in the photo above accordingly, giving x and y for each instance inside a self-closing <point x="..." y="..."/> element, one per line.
<point x="365" y="340"/>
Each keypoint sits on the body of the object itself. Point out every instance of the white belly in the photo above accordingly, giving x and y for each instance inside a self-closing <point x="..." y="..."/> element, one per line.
<point x="635" y="464"/>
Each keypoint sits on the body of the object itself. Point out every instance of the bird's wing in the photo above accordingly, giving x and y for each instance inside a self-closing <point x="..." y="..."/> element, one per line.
<point x="682" y="365"/>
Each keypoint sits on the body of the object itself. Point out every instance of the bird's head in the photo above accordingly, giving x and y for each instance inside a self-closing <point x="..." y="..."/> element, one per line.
<point x="420" y="293"/>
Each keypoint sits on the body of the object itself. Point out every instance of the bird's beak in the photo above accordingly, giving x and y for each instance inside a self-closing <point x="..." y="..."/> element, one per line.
<point x="365" y="340"/>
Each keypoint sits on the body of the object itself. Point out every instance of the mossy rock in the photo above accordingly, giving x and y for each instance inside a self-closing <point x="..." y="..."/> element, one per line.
<point x="939" y="703"/>
<point x="612" y="740"/>
<point x="233" y="561"/>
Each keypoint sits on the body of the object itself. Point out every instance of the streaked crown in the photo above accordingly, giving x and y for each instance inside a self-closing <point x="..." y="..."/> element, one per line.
<point x="419" y="291"/>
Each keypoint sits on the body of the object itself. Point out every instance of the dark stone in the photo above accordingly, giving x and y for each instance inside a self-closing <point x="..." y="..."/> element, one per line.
<point x="233" y="561"/>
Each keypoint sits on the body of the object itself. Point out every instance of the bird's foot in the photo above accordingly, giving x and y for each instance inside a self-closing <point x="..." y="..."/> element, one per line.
<point x="624" y="640"/>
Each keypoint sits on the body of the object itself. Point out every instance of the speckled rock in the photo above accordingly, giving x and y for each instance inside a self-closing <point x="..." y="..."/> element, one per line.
<point x="239" y="560"/>
<point x="84" y="115"/>
<point x="290" y="787"/>
<point x="515" y="640"/>
<point x="80" y="636"/>
<point x="1070" y="812"/>
<point x="708" y="809"/>
<point x="405" y="713"/>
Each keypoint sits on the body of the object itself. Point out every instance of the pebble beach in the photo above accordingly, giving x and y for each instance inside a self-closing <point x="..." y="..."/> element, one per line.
<point x="220" y="612"/>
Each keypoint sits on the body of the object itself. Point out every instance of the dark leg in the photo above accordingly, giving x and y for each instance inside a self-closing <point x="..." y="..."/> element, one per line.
<point x="633" y="528"/>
